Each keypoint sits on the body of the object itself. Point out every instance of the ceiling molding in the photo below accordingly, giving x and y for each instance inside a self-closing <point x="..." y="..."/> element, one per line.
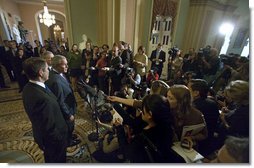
<point x="216" y="4"/>
<point x="39" y="2"/>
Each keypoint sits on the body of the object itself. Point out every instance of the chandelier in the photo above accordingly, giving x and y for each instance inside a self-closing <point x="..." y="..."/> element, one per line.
<point x="57" y="28"/>
<point x="46" y="18"/>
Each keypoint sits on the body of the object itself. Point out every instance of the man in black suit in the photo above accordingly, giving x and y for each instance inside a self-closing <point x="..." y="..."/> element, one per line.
<point x="124" y="54"/>
<point x="37" y="49"/>
<point x="48" y="124"/>
<point x="116" y="66"/>
<point x="47" y="56"/>
<point x="2" y="81"/>
<point x="61" y="88"/>
<point x="158" y="57"/>
<point x="2" y="62"/>
<point x="6" y="57"/>
<point x="199" y="90"/>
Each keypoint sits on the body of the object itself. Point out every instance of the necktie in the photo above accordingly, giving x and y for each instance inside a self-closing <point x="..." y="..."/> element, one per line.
<point x="47" y="89"/>
<point x="64" y="77"/>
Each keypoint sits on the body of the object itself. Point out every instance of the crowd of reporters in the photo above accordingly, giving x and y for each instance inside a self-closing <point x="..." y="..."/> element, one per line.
<point x="153" y="112"/>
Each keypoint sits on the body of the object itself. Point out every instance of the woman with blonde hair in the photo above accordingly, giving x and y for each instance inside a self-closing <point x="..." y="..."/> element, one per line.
<point x="236" y="122"/>
<point x="185" y="114"/>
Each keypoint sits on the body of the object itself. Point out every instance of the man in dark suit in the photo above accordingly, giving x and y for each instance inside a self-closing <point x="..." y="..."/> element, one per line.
<point x="199" y="89"/>
<point x="158" y="57"/>
<point x="2" y="62"/>
<point x="48" y="124"/>
<point x="116" y="66"/>
<point x="61" y="87"/>
<point x="124" y="54"/>
<point x="6" y="57"/>
<point x="37" y="49"/>
<point x="47" y="56"/>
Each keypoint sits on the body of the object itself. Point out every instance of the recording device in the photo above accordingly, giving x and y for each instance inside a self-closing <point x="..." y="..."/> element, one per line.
<point x="128" y="72"/>
<point x="84" y="89"/>
<point x="200" y="52"/>
<point x="104" y="113"/>
<point x="220" y="98"/>
<point x="97" y="102"/>
<point x="228" y="60"/>
<point x="206" y="50"/>
<point x="173" y="52"/>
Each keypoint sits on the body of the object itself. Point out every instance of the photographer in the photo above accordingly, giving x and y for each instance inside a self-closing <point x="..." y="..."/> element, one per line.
<point x="133" y="118"/>
<point x="132" y="78"/>
<point x="158" y="87"/>
<point x="175" y="62"/>
<point x="224" y="74"/>
<point x="152" y="76"/>
<point x="108" y="151"/>
<point x="173" y="52"/>
<point x="211" y="65"/>
<point x="154" y="143"/>
<point x="116" y="66"/>
<point x="194" y="63"/>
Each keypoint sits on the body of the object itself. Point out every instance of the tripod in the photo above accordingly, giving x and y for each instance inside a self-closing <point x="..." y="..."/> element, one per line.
<point x="94" y="136"/>
<point x="91" y="96"/>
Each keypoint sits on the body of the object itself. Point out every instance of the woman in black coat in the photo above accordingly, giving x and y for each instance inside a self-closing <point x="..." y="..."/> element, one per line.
<point x="154" y="143"/>
<point x="18" y="69"/>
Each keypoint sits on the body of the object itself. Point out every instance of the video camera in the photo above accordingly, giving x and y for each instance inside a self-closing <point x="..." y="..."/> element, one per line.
<point x="95" y="97"/>
<point x="173" y="51"/>
<point x="228" y="60"/>
<point x="104" y="113"/>
<point x="206" y="50"/>
<point x="200" y="53"/>
<point x="128" y="71"/>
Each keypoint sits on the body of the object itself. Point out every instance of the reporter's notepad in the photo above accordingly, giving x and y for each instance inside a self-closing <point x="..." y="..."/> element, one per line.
<point x="190" y="156"/>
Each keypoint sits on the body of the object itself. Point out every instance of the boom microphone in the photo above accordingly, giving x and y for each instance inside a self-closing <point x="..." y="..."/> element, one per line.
<point x="84" y="89"/>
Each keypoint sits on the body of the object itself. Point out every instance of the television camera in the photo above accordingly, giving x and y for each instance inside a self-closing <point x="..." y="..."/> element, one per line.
<point x="173" y="52"/>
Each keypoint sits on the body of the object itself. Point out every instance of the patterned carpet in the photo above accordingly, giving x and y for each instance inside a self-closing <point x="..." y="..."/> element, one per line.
<point x="16" y="140"/>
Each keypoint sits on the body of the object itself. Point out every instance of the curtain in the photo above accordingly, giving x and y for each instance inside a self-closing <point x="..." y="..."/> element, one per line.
<point x="164" y="8"/>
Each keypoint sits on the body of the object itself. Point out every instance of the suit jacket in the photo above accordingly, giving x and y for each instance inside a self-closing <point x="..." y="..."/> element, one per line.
<point x="2" y="55"/>
<point x="45" y="115"/>
<point x="125" y="55"/>
<point x="64" y="93"/>
<point x="162" y="56"/>
<point x="115" y="64"/>
<point x="37" y="51"/>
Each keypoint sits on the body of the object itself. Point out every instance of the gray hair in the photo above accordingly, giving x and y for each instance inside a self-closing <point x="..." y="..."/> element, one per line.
<point x="56" y="60"/>
<point x="238" y="91"/>
<point x="46" y="54"/>
<point x="238" y="148"/>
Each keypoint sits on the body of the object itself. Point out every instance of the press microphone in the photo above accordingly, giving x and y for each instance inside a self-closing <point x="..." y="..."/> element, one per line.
<point x="84" y="89"/>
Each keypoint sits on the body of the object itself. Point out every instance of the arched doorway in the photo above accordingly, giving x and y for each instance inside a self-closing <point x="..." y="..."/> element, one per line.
<point x="56" y="32"/>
